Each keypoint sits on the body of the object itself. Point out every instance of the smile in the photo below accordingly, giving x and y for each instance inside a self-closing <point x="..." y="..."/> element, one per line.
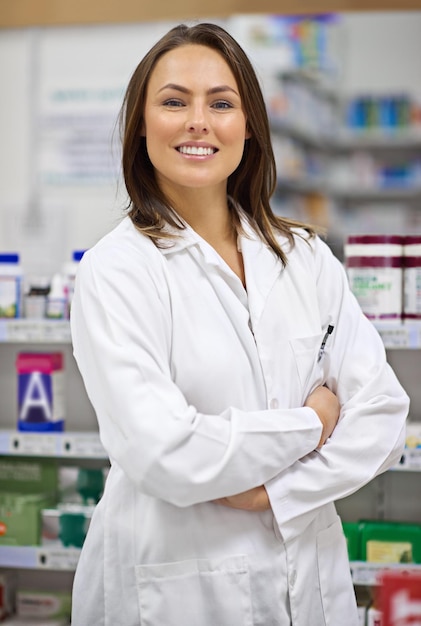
<point x="196" y="150"/>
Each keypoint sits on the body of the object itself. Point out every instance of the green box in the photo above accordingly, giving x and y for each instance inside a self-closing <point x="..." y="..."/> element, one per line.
<point x="390" y="542"/>
<point x="28" y="475"/>
<point x="20" y="518"/>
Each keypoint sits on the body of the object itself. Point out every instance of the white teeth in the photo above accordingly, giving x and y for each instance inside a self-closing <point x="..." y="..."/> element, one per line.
<point x="196" y="150"/>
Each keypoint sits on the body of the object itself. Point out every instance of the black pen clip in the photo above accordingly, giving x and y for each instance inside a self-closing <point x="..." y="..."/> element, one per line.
<point x="328" y="332"/>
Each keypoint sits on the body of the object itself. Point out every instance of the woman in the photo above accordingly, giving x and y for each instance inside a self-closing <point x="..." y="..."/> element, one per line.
<point x="219" y="345"/>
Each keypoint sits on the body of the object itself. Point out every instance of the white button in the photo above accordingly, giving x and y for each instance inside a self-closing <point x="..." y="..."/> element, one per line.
<point x="293" y="578"/>
<point x="274" y="403"/>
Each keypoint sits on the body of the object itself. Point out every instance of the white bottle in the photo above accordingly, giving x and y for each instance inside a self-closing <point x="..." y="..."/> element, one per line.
<point x="10" y="286"/>
<point x="57" y="301"/>
<point x="69" y="272"/>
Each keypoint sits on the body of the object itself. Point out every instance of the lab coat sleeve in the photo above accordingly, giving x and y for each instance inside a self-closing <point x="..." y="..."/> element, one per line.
<point x="369" y="437"/>
<point x="121" y="333"/>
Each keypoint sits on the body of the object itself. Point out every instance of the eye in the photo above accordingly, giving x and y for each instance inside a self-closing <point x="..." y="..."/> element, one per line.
<point x="173" y="103"/>
<point x="222" y="104"/>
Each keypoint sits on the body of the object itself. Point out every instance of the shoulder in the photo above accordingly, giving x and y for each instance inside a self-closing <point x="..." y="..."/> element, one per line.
<point x="124" y="256"/>
<point x="124" y="246"/>
<point x="308" y="248"/>
<point x="124" y="236"/>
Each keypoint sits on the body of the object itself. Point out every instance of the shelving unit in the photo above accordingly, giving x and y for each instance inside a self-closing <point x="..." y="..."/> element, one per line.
<point x="45" y="567"/>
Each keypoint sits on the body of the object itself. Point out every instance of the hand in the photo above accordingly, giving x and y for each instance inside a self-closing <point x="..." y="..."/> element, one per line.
<point x="255" y="499"/>
<point x="327" y="407"/>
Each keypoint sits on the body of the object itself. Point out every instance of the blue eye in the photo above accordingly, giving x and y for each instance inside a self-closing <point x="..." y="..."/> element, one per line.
<point x="222" y="104"/>
<point x="172" y="102"/>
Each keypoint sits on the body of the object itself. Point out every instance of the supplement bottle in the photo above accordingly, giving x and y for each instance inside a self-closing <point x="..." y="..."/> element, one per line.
<point x="10" y="286"/>
<point x="374" y="267"/>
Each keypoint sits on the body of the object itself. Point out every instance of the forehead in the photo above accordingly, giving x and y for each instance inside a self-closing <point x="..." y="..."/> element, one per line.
<point x="192" y="62"/>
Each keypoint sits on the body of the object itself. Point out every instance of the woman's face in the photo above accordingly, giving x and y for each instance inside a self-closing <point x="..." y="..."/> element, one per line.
<point x="194" y="123"/>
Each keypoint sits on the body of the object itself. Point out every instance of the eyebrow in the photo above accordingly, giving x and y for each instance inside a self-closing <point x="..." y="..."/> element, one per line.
<point x="211" y="91"/>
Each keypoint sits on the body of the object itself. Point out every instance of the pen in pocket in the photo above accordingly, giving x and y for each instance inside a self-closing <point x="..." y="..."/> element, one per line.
<point x="328" y="332"/>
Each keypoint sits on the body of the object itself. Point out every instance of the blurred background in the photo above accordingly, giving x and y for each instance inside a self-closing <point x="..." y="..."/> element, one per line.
<point x="343" y="93"/>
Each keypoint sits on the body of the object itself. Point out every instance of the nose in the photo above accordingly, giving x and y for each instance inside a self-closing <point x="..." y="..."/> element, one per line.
<point x="197" y="127"/>
<point x="197" y="122"/>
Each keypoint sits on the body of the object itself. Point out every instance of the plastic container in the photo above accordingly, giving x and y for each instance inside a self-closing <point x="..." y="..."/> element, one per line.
<point x="36" y="298"/>
<point x="412" y="277"/>
<point x="10" y="286"/>
<point x="374" y="264"/>
<point x="56" y="306"/>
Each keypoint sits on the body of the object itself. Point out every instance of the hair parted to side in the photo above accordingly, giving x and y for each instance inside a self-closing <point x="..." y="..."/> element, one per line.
<point x="250" y="186"/>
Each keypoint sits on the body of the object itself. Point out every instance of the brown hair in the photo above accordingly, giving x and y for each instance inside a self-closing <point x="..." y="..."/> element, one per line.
<point x="253" y="182"/>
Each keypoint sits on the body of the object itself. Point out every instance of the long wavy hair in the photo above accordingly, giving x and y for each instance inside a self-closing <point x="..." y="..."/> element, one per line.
<point x="250" y="186"/>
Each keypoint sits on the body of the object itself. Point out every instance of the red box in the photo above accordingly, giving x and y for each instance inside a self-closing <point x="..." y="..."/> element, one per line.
<point x="400" y="598"/>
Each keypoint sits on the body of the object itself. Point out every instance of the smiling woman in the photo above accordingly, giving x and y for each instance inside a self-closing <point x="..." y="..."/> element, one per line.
<point x="195" y="130"/>
<point x="238" y="387"/>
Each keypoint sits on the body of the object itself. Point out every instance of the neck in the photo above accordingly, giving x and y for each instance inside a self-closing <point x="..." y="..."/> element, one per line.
<point x="208" y="214"/>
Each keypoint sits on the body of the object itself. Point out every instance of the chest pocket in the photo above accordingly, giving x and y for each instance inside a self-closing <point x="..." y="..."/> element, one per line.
<point x="309" y="368"/>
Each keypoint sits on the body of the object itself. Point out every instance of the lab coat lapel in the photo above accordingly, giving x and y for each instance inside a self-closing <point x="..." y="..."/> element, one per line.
<point x="262" y="268"/>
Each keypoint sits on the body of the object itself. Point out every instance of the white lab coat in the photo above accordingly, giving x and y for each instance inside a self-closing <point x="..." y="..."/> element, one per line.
<point x="199" y="387"/>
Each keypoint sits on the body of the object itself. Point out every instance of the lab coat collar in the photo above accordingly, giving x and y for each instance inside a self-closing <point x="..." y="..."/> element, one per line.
<point x="262" y="267"/>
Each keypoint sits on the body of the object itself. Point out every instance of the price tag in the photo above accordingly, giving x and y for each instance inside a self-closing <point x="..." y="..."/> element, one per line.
<point x="83" y="445"/>
<point x="364" y="573"/>
<point x="36" y="331"/>
<point x="58" y="558"/>
<point x="34" y="444"/>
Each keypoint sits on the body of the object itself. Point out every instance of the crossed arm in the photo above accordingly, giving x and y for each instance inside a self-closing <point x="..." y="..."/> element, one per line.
<point x="327" y="407"/>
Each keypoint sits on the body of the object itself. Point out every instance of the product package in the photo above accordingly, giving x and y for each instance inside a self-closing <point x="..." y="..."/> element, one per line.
<point x="40" y="391"/>
<point x="399" y="598"/>
<point x="26" y="487"/>
<point x="20" y="518"/>
<point x="43" y="605"/>
<point x="390" y="542"/>
<point x="65" y="525"/>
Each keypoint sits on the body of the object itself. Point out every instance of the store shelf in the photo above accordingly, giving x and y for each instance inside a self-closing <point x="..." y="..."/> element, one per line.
<point x="300" y="133"/>
<point x="80" y="445"/>
<point x="357" y="192"/>
<point x="364" y="573"/>
<point x="317" y="80"/>
<point x="39" y="557"/>
<point x="378" y="139"/>
<point x="301" y="185"/>
<point x="34" y="331"/>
